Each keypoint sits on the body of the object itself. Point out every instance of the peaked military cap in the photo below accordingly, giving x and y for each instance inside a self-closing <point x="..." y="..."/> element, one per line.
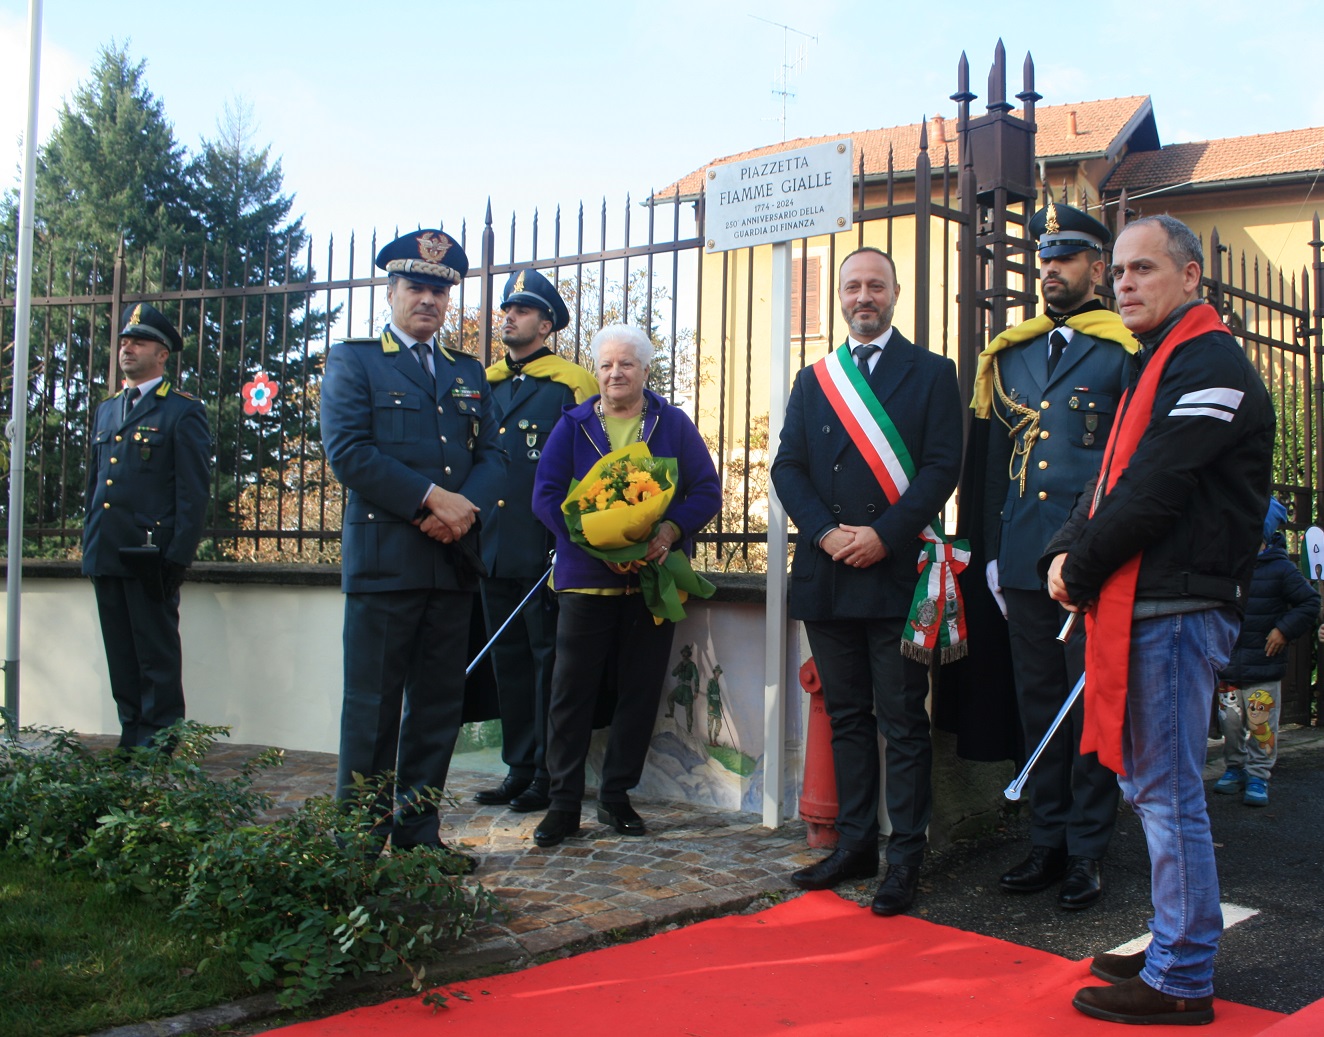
<point x="1061" y="230"/>
<point x="425" y="256"/>
<point x="530" y="288"/>
<point x="146" y="321"/>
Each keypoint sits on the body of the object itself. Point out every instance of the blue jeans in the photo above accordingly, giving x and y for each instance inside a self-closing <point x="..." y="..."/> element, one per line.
<point x="1175" y="661"/>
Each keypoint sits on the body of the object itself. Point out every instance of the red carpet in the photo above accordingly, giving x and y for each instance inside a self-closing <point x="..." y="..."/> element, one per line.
<point x="816" y="965"/>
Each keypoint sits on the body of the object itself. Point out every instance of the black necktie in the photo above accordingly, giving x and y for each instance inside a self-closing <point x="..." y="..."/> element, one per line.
<point x="424" y="353"/>
<point x="130" y="398"/>
<point x="862" y="355"/>
<point x="1057" y="344"/>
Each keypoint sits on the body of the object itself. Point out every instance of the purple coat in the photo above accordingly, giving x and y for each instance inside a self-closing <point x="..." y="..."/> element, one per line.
<point x="576" y="444"/>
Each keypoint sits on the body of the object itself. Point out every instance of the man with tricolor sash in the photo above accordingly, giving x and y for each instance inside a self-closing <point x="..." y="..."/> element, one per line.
<point x="870" y="452"/>
<point x="531" y="385"/>
<point x="1049" y="387"/>
<point x="1159" y="552"/>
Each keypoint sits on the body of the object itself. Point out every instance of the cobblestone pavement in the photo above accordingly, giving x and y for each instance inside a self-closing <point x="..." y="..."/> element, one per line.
<point x="695" y="862"/>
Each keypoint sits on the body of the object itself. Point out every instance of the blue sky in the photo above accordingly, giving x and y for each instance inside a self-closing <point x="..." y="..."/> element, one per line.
<point x="395" y="115"/>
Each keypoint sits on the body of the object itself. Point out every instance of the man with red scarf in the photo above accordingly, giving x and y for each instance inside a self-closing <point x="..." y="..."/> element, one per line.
<point x="1158" y="552"/>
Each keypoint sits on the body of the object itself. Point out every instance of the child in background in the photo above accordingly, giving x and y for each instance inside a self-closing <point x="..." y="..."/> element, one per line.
<point x="1282" y="606"/>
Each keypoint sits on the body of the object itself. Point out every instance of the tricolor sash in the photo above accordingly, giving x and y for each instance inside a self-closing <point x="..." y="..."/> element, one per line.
<point x="937" y="613"/>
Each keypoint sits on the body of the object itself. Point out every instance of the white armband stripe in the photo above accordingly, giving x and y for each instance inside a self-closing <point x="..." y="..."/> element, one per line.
<point x="1201" y="412"/>
<point x="1230" y="398"/>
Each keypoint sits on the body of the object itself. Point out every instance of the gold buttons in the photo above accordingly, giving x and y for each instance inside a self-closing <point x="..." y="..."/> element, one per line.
<point x="1043" y="495"/>
<point x="447" y="469"/>
<point x="1043" y="465"/>
<point x="1045" y="405"/>
<point x="443" y="439"/>
<point x="110" y="482"/>
<point x="119" y="439"/>
<point x="501" y="504"/>
<point x="106" y="505"/>
<point x="502" y="430"/>
<point x="114" y="460"/>
<point x="1044" y="434"/>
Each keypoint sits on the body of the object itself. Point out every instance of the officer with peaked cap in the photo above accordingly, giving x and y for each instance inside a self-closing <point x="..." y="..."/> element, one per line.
<point x="148" y="476"/>
<point x="407" y="426"/>
<point x="530" y="388"/>
<point x="1051" y="387"/>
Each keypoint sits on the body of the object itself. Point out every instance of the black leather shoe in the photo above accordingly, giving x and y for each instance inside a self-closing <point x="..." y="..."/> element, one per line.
<point x="1118" y="968"/>
<point x="556" y="827"/>
<point x="622" y="817"/>
<point x="838" y="867"/>
<point x="503" y="793"/>
<point x="897" y="892"/>
<point x="1082" y="886"/>
<point x="1135" y="1001"/>
<point x="1041" y="869"/>
<point x="533" y="798"/>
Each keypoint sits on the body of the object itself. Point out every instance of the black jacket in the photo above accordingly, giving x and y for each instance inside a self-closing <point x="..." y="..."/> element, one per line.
<point x="1279" y="597"/>
<point x="1193" y="496"/>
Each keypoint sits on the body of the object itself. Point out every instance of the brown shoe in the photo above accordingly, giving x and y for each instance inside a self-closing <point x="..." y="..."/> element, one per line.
<point x="1116" y="968"/>
<point x="1135" y="1001"/>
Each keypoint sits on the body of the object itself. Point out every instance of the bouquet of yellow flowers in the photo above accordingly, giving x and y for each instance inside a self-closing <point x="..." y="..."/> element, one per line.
<point x="615" y="510"/>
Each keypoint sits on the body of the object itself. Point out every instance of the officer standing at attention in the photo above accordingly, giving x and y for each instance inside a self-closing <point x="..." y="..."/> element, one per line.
<point x="147" y="490"/>
<point x="407" y="427"/>
<point x="530" y="388"/>
<point x="1051" y="386"/>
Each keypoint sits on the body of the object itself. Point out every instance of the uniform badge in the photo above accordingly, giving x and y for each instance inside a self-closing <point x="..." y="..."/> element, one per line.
<point x="434" y="246"/>
<point x="534" y="455"/>
<point x="531" y="439"/>
<point x="523" y="423"/>
<point x="1091" y="426"/>
<point x="1074" y="403"/>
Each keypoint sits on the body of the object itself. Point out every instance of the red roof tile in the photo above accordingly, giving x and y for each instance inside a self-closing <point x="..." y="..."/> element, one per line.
<point x="1097" y="127"/>
<point x="1222" y="161"/>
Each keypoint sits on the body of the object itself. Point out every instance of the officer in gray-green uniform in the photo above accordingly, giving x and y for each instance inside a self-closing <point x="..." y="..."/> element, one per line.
<point x="148" y="485"/>
<point x="1051" y="387"/>
<point x="407" y="426"/>
<point x="530" y="388"/>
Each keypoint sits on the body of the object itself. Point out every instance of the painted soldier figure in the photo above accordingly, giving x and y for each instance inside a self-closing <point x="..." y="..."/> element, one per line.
<point x="148" y="478"/>
<point x="530" y="388"/>
<point x="1051" y="386"/>
<point x="687" y="679"/>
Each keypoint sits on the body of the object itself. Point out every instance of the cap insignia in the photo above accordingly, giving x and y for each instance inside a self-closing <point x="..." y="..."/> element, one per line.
<point x="433" y="247"/>
<point x="1052" y="226"/>
<point x="519" y="284"/>
<point x="136" y="316"/>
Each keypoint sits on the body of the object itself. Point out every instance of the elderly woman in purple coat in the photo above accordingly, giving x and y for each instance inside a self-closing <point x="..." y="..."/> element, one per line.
<point x="604" y="625"/>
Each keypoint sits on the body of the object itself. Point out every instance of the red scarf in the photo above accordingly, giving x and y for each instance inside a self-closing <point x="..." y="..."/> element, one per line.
<point x="1108" y="622"/>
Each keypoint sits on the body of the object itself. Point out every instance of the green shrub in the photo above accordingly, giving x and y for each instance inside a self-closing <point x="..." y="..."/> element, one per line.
<point x="299" y="902"/>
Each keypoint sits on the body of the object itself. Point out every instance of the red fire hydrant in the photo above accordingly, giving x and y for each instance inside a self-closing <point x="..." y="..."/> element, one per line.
<point x="818" y="794"/>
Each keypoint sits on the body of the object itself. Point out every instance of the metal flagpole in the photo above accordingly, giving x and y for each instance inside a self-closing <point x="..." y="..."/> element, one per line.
<point x="17" y="429"/>
<point x="1013" y="791"/>
<point x="533" y="590"/>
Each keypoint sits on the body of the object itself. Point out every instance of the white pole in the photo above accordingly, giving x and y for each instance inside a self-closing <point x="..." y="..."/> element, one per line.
<point x="774" y="637"/>
<point x="17" y="429"/>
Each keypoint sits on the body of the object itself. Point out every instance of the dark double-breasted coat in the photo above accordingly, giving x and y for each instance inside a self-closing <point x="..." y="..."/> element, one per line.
<point x="148" y="472"/>
<point x="1073" y="798"/>
<point x="855" y="617"/>
<point x="390" y="431"/>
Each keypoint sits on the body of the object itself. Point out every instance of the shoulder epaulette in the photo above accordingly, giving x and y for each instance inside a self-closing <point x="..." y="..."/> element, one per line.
<point x="186" y="395"/>
<point x="362" y="341"/>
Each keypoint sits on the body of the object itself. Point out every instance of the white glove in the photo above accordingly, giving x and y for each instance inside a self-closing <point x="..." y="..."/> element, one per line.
<point x="994" y="587"/>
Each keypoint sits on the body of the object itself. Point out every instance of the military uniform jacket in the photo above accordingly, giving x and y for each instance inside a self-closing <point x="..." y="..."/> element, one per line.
<point x="1073" y="414"/>
<point x="147" y="471"/>
<point x="823" y="481"/>
<point x="516" y="545"/>
<point x="388" y="434"/>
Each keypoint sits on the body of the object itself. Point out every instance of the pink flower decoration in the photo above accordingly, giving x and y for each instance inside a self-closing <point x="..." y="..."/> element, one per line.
<point x="259" y="394"/>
